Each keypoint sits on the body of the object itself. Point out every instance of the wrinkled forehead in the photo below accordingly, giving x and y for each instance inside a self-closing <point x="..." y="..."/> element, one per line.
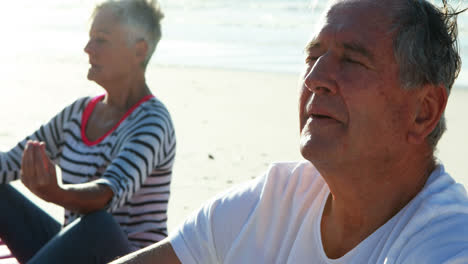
<point x="358" y="16"/>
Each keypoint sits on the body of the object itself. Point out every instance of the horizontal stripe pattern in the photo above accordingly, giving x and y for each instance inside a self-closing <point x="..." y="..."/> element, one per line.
<point x="135" y="161"/>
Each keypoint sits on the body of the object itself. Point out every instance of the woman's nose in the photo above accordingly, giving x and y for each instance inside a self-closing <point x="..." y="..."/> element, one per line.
<point x="87" y="47"/>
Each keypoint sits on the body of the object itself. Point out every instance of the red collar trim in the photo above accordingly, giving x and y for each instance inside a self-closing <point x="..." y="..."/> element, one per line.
<point x="89" y="109"/>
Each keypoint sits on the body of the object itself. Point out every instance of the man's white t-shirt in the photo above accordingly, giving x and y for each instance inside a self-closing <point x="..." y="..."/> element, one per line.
<point x="276" y="219"/>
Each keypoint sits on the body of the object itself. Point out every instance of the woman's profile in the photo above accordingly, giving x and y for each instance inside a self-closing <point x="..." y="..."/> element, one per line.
<point x="115" y="152"/>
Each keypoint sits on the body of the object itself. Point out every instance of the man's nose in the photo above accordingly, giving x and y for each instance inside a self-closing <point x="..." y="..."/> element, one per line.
<point x="321" y="78"/>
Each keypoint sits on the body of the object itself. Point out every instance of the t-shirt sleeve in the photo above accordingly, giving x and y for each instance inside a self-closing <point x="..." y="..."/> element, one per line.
<point x="208" y="234"/>
<point x="151" y="144"/>
<point x="51" y="133"/>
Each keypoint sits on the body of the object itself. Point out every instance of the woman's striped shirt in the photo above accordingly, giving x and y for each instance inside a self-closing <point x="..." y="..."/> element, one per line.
<point x="135" y="160"/>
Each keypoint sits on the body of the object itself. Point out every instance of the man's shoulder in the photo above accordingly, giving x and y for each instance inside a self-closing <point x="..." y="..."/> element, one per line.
<point x="291" y="165"/>
<point x="263" y="208"/>
<point x="440" y="199"/>
<point x="442" y="239"/>
<point x="301" y="174"/>
<point x="436" y="227"/>
<point x="278" y="173"/>
<point x="443" y="196"/>
<point x="292" y="169"/>
<point x="279" y="179"/>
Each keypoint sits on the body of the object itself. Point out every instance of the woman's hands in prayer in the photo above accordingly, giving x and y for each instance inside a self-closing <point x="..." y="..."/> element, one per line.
<point x="38" y="171"/>
<point x="39" y="176"/>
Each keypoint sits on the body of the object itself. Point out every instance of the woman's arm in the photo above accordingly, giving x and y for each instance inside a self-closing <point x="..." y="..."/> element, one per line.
<point x="150" y="144"/>
<point x="39" y="176"/>
<point x="51" y="133"/>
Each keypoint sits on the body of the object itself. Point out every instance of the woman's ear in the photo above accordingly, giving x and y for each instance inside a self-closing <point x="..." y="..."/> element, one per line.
<point x="431" y="108"/>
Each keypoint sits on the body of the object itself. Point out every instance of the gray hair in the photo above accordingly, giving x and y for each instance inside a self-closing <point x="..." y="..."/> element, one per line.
<point x="426" y="49"/>
<point x="141" y="16"/>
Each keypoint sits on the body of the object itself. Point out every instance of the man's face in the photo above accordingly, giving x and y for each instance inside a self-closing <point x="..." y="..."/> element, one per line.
<point x="352" y="109"/>
<point x="110" y="54"/>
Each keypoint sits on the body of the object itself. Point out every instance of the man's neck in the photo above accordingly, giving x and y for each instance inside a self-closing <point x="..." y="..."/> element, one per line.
<point x="362" y="200"/>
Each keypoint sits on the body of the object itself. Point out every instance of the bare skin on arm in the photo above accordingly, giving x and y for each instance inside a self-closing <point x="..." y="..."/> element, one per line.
<point x="161" y="252"/>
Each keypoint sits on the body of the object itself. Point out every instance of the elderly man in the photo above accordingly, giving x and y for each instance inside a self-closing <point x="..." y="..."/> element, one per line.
<point x="377" y="78"/>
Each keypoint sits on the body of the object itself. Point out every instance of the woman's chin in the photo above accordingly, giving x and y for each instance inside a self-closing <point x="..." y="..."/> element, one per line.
<point x="93" y="76"/>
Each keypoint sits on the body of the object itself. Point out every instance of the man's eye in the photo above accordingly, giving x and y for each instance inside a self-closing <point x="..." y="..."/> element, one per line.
<point x="349" y="60"/>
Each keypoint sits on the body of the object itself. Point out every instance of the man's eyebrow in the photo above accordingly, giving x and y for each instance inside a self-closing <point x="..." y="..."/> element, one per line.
<point x="358" y="48"/>
<point x="354" y="47"/>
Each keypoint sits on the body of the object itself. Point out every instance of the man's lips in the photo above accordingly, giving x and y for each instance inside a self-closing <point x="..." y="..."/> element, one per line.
<point x="318" y="122"/>
<point x="319" y="108"/>
<point x="316" y="116"/>
<point x="322" y="120"/>
<point x="321" y="114"/>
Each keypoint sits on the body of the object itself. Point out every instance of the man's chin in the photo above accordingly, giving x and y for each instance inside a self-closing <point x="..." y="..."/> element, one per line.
<point x="308" y="152"/>
<point x="316" y="151"/>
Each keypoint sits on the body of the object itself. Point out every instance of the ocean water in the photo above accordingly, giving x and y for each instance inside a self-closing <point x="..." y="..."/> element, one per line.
<point x="258" y="35"/>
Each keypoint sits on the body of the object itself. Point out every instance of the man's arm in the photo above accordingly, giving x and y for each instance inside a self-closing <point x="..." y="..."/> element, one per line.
<point x="160" y="253"/>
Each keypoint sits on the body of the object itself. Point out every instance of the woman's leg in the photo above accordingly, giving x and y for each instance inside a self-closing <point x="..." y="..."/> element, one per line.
<point x="94" y="238"/>
<point x="24" y="227"/>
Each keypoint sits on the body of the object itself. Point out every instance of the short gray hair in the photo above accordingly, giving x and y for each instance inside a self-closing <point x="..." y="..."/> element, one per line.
<point x="426" y="49"/>
<point x="142" y="16"/>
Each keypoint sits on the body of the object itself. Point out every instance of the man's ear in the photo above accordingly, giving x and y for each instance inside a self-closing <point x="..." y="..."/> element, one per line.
<point x="141" y="50"/>
<point x="431" y="108"/>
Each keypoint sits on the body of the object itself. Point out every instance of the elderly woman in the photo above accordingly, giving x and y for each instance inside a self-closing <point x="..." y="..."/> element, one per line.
<point x="115" y="151"/>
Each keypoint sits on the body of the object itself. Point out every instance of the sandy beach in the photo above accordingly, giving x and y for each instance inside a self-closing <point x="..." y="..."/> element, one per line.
<point x="230" y="124"/>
